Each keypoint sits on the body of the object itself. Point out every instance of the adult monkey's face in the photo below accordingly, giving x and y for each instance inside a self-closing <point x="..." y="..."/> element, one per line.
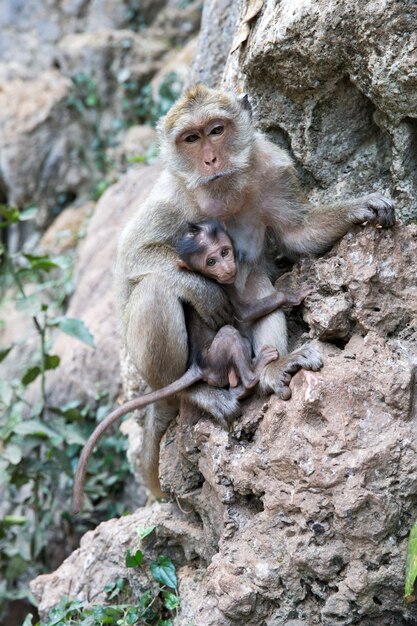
<point x="207" y="136"/>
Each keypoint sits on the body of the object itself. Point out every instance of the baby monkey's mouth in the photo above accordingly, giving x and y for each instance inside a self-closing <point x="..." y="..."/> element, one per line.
<point x="229" y="280"/>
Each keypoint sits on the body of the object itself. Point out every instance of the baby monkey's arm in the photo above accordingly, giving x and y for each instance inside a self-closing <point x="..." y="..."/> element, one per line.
<point x="252" y="311"/>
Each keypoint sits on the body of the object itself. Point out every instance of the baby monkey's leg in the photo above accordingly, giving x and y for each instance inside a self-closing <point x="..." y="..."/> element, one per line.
<point x="229" y="360"/>
<point x="266" y="355"/>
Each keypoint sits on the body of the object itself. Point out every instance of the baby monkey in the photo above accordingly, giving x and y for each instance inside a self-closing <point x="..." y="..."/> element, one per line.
<point x="205" y="247"/>
<point x="222" y="359"/>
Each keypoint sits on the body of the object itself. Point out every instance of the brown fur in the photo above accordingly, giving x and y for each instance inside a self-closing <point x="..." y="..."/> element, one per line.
<point x="220" y="359"/>
<point x="259" y="190"/>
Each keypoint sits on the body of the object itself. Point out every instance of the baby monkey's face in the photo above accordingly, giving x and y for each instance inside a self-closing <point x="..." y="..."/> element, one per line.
<point x="216" y="259"/>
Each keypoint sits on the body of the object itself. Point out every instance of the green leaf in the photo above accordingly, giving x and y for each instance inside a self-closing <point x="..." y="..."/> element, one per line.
<point x="4" y="353"/>
<point x="411" y="566"/>
<point x="163" y="570"/>
<point x="30" y="304"/>
<point x="144" y="532"/>
<point x="40" y="262"/>
<point x="100" y="188"/>
<point x="75" y="328"/>
<point x="12" y="453"/>
<point x="114" y="589"/>
<point x="131" y="618"/>
<point x="140" y="158"/>
<point x="37" y="429"/>
<point x="91" y="100"/>
<point x="14" y="520"/>
<point x="145" y="599"/>
<point x="30" y="375"/>
<point x="6" y="393"/>
<point x="171" y="601"/>
<point x="134" y="560"/>
<point x="51" y="361"/>
<point x="28" y="214"/>
<point x="10" y="214"/>
<point x="16" y="566"/>
<point x="28" y="620"/>
<point x="70" y="433"/>
<point x="72" y="415"/>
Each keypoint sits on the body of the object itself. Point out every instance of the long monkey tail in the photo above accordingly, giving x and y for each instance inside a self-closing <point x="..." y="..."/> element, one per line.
<point x="192" y="375"/>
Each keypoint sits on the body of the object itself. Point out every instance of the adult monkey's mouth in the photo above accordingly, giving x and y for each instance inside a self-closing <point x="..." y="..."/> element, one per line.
<point x="209" y="179"/>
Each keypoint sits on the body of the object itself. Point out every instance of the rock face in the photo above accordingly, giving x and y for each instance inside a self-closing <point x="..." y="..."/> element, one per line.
<point x="300" y="514"/>
<point x="88" y="371"/>
<point x="31" y="30"/>
<point x="38" y="139"/>
<point x="73" y="76"/>
<point x="333" y="82"/>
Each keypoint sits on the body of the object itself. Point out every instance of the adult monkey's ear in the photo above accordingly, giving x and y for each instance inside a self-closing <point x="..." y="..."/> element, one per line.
<point x="244" y="103"/>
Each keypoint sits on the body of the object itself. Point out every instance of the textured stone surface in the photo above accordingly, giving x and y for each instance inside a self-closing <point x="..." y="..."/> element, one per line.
<point x="333" y="82"/>
<point x="71" y="74"/>
<point x="218" y="25"/>
<point x="364" y="286"/>
<point x="31" y="29"/>
<point x="88" y="371"/>
<point x="112" y="58"/>
<point x="139" y="141"/>
<point x="38" y="139"/>
<point x="87" y="571"/>
<point x="178" y="62"/>
<point x="67" y="229"/>
<point x="300" y="513"/>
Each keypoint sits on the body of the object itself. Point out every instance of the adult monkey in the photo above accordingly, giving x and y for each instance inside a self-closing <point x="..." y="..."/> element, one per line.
<point x="217" y="165"/>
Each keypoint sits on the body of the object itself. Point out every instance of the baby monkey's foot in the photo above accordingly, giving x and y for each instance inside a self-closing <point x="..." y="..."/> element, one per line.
<point x="277" y="377"/>
<point x="266" y="355"/>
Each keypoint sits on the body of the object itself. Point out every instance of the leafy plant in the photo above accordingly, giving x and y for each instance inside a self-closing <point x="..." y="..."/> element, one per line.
<point x="86" y="101"/>
<point x="134" y="15"/>
<point x="139" y="105"/>
<point x="40" y="444"/>
<point x="156" y="606"/>
<point x="411" y="566"/>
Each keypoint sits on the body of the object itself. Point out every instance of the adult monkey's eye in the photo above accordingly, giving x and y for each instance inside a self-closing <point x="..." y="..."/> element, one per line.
<point x="211" y="262"/>
<point x="225" y="251"/>
<point x="217" y="130"/>
<point x="192" y="138"/>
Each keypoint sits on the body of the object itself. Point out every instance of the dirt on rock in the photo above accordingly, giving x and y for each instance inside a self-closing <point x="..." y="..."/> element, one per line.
<point x="302" y="511"/>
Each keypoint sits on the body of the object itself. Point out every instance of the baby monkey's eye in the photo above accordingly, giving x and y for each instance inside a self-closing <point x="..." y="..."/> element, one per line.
<point x="217" y="130"/>
<point x="225" y="251"/>
<point x="211" y="262"/>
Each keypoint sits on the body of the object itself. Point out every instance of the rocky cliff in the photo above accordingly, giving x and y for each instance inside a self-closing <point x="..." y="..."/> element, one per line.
<point x="299" y="515"/>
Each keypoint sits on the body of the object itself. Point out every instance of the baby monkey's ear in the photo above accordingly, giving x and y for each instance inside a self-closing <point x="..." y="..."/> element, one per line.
<point x="183" y="265"/>
<point x="192" y="229"/>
